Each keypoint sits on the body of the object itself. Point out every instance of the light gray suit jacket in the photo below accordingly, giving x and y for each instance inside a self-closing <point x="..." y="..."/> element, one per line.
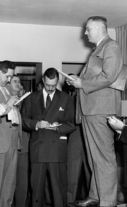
<point x="7" y="131"/>
<point x="96" y="96"/>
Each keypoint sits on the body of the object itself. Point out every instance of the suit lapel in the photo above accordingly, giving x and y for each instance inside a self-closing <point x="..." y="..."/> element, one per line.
<point x="95" y="53"/>
<point x="39" y="102"/>
<point x="99" y="47"/>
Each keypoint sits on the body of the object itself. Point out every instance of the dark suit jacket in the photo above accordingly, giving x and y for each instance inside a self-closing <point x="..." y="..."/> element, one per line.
<point x="46" y="145"/>
<point x="96" y="96"/>
<point x="123" y="136"/>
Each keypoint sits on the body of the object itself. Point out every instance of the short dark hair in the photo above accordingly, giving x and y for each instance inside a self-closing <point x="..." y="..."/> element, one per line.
<point x="15" y="76"/>
<point x="5" y="65"/>
<point x="51" y="73"/>
<point x="99" y="19"/>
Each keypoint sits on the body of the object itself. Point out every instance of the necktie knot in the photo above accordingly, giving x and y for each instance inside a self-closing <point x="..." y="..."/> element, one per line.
<point x="48" y="101"/>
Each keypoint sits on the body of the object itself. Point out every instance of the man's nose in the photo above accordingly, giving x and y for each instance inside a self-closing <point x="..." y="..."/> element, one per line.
<point x="86" y="32"/>
<point x="50" y="87"/>
<point x="9" y="79"/>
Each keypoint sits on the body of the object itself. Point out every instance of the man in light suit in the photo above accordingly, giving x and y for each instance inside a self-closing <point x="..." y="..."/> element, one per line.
<point x="9" y="137"/>
<point x="48" y="143"/>
<point x="15" y="87"/>
<point x="98" y="99"/>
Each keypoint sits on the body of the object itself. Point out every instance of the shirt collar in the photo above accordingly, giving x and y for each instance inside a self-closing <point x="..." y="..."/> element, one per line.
<point x="101" y="40"/>
<point x="45" y="94"/>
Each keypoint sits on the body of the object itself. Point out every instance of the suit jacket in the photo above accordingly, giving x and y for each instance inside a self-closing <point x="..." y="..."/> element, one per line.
<point x="123" y="136"/>
<point x="96" y="95"/>
<point x="75" y="144"/>
<point x="25" y="142"/>
<point x="9" y="134"/>
<point x="46" y="145"/>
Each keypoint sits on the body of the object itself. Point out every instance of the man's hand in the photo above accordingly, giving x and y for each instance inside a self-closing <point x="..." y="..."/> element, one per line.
<point x="76" y="82"/>
<point x="12" y="101"/>
<point x="54" y="126"/>
<point x="42" y="125"/>
<point x="116" y="124"/>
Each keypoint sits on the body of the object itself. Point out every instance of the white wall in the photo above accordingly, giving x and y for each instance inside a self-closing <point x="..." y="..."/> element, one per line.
<point x="50" y="45"/>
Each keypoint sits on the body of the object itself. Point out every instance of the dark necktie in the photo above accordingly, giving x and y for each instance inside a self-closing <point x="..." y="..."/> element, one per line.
<point x="48" y="101"/>
<point x="94" y="49"/>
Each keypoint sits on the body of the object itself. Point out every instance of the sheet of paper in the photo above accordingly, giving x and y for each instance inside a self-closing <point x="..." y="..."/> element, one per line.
<point x="23" y="97"/>
<point x="54" y="125"/>
<point x="63" y="137"/>
<point x="65" y="75"/>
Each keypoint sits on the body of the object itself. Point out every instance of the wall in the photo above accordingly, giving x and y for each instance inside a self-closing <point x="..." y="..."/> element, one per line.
<point x="50" y="45"/>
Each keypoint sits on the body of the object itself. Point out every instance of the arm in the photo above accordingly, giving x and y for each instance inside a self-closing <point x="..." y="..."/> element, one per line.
<point x="26" y="111"/>
<point x="5" y="108"/>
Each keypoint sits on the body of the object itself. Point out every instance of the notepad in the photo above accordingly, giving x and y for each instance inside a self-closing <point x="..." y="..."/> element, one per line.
<point x="54" y="125"/>
<point x="23" y="97"/>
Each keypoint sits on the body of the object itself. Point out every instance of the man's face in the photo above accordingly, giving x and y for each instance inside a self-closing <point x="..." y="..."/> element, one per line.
<point x="5" y="77"/>
<point x="92" y="31"/>
<point x="50" y="84"/>
<point x="21" y="91"/>
<point x="39" y="87"/>
<point x="15" y="84"/>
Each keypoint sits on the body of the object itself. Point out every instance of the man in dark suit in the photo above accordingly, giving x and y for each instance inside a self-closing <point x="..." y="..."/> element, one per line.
<point x="49" y="121"/>
<point x="97" y="99"/>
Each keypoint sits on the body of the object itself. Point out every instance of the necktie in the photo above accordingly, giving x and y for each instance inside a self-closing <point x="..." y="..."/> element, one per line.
<point x="48" y="101"/>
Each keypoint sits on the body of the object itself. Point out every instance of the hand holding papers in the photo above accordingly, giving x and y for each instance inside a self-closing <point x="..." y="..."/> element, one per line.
<point x="115" y="123"/>
<point x="72" y="79"/>
<point x="24" y="96"/>
<point x="55" y="124"/>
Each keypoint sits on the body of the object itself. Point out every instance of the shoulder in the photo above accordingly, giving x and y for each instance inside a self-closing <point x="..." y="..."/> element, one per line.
<point x="62" y="94"/>
<point x="32" y="96"/>
<point x="112" y="42"/>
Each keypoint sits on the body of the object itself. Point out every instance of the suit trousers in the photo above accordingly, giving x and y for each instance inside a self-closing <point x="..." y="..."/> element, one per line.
<point x="38" y="182"/>
<point x="8" y="166"/>
<point x="21" y="191"/>
<point x="73" y="173"/>
<point x="99" y="140"/>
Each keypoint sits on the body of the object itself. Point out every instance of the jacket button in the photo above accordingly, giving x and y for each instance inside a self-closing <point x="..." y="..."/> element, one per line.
<point x="54" y="141"/>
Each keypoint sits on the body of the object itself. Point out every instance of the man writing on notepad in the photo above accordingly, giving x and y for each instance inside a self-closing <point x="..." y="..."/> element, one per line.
<point x="96" y="101"/>
<point x="9" y="122"/>
<point x="49" y="115"/>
